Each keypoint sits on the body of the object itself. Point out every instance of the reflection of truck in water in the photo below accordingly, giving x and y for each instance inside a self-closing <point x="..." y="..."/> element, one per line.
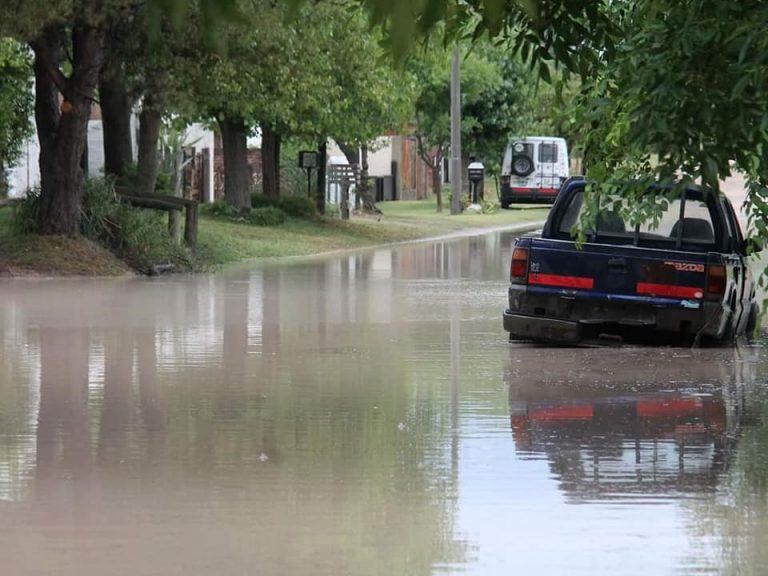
<point x="619" y="439"/>
<point x="533" y="169"/>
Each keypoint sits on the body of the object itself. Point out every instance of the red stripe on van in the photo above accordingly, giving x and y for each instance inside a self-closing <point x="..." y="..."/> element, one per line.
<point x="530" y="190"/>
<point x="670" y="290"/>
<point x="564" y="281"/>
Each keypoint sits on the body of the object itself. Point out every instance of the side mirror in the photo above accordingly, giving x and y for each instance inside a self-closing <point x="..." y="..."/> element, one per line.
<point x="752" y="246"/>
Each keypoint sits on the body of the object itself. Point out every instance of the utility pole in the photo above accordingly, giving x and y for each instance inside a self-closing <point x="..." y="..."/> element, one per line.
<point x="455" y="133"/>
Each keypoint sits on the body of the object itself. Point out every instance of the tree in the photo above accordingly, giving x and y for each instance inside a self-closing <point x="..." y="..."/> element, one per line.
<point x="498" y="100"/>
<point x="374" y="96"/>
<point x="15" y="104"/>
<point x="682" y="99"/>
<point x="67" y="39"/>
<point x="115" y="95"/>
<point x="269" y="74"/>
<point x="63" y="97"/>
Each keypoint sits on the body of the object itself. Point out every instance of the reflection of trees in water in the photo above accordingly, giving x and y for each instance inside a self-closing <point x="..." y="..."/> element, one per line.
<point x="19" y="395"/>
<point x="314" y="443"/>
<point x="63" y="442"/>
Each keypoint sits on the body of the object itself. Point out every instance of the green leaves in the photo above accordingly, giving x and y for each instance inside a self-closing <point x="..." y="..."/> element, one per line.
<point x="682" y="98"/>
<point x="15" y="101"/>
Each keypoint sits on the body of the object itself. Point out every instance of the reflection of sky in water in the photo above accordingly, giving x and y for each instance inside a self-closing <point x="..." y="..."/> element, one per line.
<point x="522" y="523"/>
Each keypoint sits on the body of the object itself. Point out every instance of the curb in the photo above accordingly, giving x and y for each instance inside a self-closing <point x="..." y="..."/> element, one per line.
<point x="468" y="233"/>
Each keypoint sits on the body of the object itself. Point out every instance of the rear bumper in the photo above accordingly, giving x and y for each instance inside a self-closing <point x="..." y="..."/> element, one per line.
<point x="566" y="316"/>
<point x="510" y="195"/>
<point x="542" y="329"/>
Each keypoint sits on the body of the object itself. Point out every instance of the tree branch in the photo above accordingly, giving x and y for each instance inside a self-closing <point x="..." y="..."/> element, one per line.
<point x="45" y="52"/>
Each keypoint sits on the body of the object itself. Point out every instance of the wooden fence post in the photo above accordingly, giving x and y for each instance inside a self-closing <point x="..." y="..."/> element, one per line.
<point x="190" y="226"/>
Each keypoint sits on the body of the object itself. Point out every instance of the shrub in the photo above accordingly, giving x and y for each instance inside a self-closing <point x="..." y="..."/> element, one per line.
<point x="26" y="211"/>
<point x="448" y="197"/>
<point x="261" y="201"/>
<point x="263" y="215"/>
<point x="140" y="237"/>
<point x="266" y="216"/>
<point x="489" y="207"/>
<point x="332" y="210"/>
<point x="221" y="209"/>
<point x="297" y="206"/>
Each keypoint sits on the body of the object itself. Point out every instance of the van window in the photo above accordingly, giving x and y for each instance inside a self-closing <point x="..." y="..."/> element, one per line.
<point x="548" y="152"/>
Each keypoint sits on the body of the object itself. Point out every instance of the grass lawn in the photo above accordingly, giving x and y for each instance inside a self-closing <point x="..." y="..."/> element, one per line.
<point x="222" y="241"/>
<point x="423" y="212"/>
<point x="32" y="255"/>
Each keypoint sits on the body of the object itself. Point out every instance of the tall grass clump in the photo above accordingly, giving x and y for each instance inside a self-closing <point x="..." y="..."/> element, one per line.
<point x="139" y="237"/>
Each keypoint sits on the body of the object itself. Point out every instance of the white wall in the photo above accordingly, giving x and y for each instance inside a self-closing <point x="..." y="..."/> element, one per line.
<point x="95" y="148"/>
<point x="380" y="157"/>
<point x="27" y="174"/>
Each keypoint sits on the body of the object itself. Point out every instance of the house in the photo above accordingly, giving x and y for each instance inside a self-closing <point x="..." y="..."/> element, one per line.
<point x="197" y="144"/>
<point x="398" y="170"/>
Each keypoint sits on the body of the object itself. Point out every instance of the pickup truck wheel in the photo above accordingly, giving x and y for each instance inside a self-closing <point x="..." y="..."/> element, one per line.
<point x="505" y="204"/>
<point x="522" y="165"/>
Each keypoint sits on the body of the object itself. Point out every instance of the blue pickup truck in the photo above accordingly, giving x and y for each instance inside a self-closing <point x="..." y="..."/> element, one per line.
<point x="683" y="277"/>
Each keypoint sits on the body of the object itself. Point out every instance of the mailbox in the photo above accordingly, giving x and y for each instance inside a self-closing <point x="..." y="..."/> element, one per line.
<point x="308" y="159"/>
<point x="476" y="172"/>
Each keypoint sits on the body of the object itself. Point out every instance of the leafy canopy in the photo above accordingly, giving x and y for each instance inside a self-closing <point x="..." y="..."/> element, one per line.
<point x="15" y="101"/>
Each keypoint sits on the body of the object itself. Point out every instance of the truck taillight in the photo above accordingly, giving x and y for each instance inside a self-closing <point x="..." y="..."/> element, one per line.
<point x="716" y="281"/>
<point x="519" y="270"/>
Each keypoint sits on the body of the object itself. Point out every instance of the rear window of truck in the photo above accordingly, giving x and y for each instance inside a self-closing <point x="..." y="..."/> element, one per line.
<point x="694" y="228"/>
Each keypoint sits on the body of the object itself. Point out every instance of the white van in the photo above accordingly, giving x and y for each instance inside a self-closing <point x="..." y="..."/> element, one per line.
<point x="533" y="169"/>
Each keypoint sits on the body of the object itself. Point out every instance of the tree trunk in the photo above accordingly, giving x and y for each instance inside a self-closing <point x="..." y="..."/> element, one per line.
<point x="322" y="159"/>
<point x="237" y="174"/>
<point x="270" y="161"/>
<point x="437" y="183"/>
<point x="4" y="184"/>
<point x="62" y="129"/>
<point x="150" y="121"/>
<point x="116" y="105"/>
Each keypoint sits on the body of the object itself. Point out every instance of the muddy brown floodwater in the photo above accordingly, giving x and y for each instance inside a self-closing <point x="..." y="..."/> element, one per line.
<point x="363" y="415"/>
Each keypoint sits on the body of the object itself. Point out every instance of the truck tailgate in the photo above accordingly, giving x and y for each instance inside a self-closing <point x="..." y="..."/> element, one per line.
<point x="607" y="269"/>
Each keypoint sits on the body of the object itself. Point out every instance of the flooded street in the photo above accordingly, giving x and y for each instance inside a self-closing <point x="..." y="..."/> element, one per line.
<point x="363" y="414"/>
